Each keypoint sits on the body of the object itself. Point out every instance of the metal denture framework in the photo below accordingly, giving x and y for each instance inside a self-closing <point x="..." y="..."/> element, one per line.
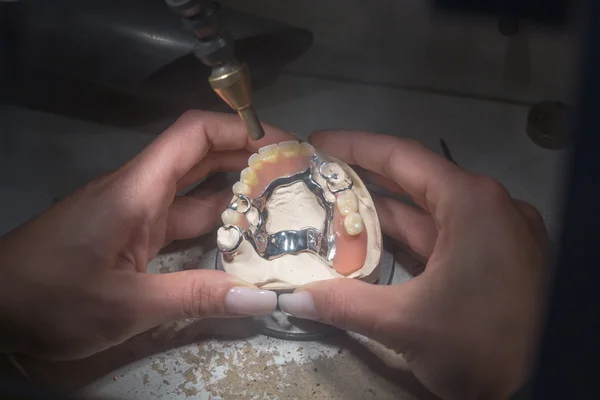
<point x="310" y="239"/>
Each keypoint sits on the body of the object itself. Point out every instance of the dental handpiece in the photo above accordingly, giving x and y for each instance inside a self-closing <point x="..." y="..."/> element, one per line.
<point x="230" y="79"/>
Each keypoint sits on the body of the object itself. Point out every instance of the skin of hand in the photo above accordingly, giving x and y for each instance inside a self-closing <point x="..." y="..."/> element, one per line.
<point x="468" y="325"/>
<point x="73" y="279"/>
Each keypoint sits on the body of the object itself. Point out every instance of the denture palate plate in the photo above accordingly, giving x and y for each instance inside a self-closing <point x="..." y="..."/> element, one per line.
<point x="350" y="234"/>
<point x="272" y="162"/>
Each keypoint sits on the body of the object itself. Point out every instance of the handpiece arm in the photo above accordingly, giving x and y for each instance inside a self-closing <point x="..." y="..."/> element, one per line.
<point x="230" y="79"/>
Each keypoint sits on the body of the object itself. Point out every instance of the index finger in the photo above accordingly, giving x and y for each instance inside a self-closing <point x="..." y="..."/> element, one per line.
<point x="421" y="173"/>
<point x="193" y="135"/>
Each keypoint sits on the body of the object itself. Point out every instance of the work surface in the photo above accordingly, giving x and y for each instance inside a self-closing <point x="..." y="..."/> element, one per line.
<point x="44" y="157"/>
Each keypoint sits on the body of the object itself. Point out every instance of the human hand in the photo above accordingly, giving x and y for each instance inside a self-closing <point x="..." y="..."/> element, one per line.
<point x="73" y="280"/>
<point x="467" y="325"/>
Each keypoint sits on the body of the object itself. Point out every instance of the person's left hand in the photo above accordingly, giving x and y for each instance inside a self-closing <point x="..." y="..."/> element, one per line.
<point x="73" y="280"/>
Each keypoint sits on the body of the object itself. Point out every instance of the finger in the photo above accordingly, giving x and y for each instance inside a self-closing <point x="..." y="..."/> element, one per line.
<point x="215" y="182"/>
<point x="191" y="216"/>
<point x="379" y="312"/>
<point x="529" y="211"/>
<point x="424" y="175"/>
<point x="185" y="143"/>
<point x="535" y="217"/>
<point x="378" y="180"/>
<point x="407" y="224"/>
<point x="163" y="298"/>
<point x="215" y="161"/>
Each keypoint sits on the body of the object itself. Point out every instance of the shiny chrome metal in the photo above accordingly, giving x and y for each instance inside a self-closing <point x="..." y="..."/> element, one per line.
<point x="288" y="242"/>
<point x="310" y="239"/>
<point x="271" y="246"/>
<point x="235" y="206"/>
<point x="331" y="179"/>
<point x="234" y="87"/>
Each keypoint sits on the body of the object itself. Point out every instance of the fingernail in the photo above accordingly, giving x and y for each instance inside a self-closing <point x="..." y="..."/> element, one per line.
<point x="299" y="305"/>
<point x="248" y="301"/>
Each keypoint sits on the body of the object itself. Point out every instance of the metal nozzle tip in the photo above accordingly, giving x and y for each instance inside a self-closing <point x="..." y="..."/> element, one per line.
<point x="255" y="129"/>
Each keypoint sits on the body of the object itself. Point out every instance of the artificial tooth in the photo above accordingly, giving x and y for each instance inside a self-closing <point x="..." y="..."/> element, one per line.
<point x="249" y="177"/>
<point x="269" y="153"/>
<point x="230" y="217"/>
<point x="306" y="149"/>
<point x="255" y="162"/>
<point x="353" y="224"/>
<point x="241" y="188"/>
<point x="228" y="238"/>
<point x="347" y="202"/>
<point x="289" y="149"/>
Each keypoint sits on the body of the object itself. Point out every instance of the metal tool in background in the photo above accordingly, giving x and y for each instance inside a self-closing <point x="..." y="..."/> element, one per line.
<point x="230" y="79"/>
<point x="126" y="63"/>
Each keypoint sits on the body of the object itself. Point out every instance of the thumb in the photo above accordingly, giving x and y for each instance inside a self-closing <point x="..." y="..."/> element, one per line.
<point x="379" y="312"/>
<point x="162" y="298"/>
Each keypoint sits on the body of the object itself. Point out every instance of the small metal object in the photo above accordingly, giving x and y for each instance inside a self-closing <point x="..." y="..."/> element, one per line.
<point x="334" y="182"/>
<point x="280" y="325"/>
<point x="235" y="204"/>
<point x="287" y="242"/>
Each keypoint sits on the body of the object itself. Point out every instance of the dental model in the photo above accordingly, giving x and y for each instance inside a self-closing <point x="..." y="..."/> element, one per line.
<point x="296" y="217"/>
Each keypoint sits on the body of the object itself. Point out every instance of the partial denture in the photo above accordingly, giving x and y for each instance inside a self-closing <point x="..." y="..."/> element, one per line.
<point x="286" y="159"/>
<point x="272" y="162"/>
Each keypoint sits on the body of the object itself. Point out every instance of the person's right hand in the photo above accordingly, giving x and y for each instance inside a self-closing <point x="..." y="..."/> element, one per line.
<point x="468" y="325"/>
